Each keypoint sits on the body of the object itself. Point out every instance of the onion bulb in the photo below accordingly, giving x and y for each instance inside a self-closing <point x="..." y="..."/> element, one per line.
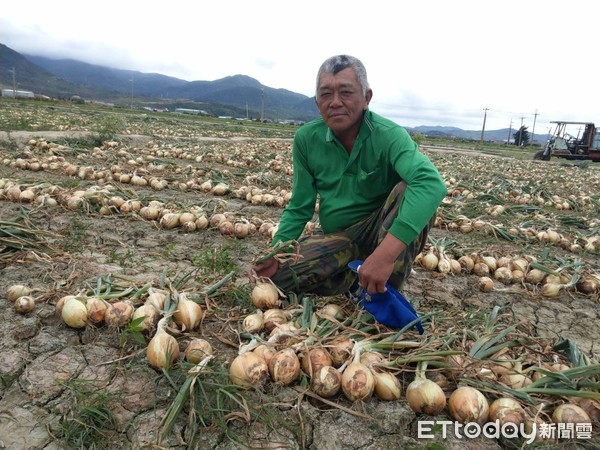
<point x="273" y="318"/>
<point x="265" y="296"/>
<point x="425" y="396"/>
<point x="248" y="369"/>
<point x="265" y="351"/>
<point x="485" y="284"/>
<point x="284" y="366"/>
<point x="326" y="381"/>
<point x="340" y="350"/>
<point x="570" y="413"/>
<point x="535" y="276"/>
<point x="119" y="314"/>
<point x="197" y="350"/>
<point x="163" y="349"/>
<point x="24" y="304"/>
<point x="315" y="358"/>
<point x="96" y="310"/>
<point x="188" y="313"/>
<point x="17" y="290"/>
<point x="467" y="404"/>
<point x="156" y="298"/>
<point x="591" y="407"/>
<point x="358" y="382"/>
<point x="150" y="315"/>
<point x="387" y="386"/>
<point x="515" y="380"/>
<point x="332" y="310"/>
<point x="506" y="410"/>
<point x="430" y="261"/>
<point x="74" y="313"/>
<point x="254" y="323"/>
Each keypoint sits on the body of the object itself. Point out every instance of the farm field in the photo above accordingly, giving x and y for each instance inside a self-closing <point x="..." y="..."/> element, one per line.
<point x="121" y="205"/>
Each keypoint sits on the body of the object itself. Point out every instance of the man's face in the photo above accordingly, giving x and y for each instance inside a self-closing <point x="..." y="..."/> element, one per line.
<point x="341" y="101"/>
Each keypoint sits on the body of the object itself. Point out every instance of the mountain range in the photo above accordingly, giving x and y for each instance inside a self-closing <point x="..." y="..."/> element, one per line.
<point x="236" y="95"/>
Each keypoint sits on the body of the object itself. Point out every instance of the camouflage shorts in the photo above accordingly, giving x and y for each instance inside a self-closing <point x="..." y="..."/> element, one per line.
<point x="322" y="266"/>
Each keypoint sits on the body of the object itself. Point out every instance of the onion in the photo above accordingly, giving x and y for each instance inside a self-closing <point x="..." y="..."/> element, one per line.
<point x="503" y="275"/>
<point x="332" y="310"/>
<point x="358" y="382"/>
<point x="96" y="310"/>
<point x="169" y="221"/>
<point x="430" y="260"/>
<point x="273" y="318"/>
<point x="591" y="407"/>
<point x="163" y="349"/>
<point x="24" y="304"/>
<point x="119" y="314"/>
<point x="371" y="359"/>
<point x="535" y="276"/>
<point x="150" y="315"/>
<point x="265" y="296"/>
<point x="425" y="396"/>
<point x="485" y="284"/>
<point x="588" y="285"/>
<point x="197" y="350"/>
<point x="315" y="358"/>
<point x="506" y="410"/>
<point x="17" y="290"/>
<point x="248" y="369"/>
<point x="74" y="312"/>
<point x="188" y="313"/>
<point x="466" y="263"/>
<point x="265" y="351"/>
<point x="387" y="386"/>
<point x="467" y="404"/>
<point x="254" y="323"/>
<point x="284" y="366"/>
<point x="515" y="380"/>
<point x="340" y="350"/>
<point x="570" y="413"/>
<point x="481" y="269"/>
<point x="326" y="381"/>
<point x="551" y="289"/>
<point x="156" y="298"/>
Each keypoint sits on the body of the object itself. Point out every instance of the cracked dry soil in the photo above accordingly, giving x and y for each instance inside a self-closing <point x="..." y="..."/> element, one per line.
<point x="42" y="360"/>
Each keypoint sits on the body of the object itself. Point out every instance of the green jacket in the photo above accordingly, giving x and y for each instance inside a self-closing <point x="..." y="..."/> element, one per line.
<point x="350" y="186"/>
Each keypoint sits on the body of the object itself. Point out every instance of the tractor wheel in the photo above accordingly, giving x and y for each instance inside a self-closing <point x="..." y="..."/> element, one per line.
<point x="540" y="156"/>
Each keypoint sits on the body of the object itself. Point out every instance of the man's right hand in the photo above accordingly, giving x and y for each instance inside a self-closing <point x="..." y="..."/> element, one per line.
<point x="267" y="268"/>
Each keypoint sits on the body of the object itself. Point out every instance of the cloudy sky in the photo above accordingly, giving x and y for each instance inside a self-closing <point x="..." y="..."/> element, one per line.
<point x="430" y="62"/>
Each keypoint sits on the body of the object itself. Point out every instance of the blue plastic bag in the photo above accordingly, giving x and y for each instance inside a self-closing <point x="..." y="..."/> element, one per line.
<point x="389" y="308"/>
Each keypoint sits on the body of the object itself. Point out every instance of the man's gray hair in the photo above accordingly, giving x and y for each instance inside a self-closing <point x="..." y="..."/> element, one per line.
<point x="338" y="63"/>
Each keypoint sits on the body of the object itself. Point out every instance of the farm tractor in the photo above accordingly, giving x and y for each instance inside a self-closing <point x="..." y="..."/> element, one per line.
<point x="564" y="145"/>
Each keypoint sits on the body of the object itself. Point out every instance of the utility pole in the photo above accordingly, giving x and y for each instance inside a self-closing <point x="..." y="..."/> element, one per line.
<point x="485" y="110"/>
<point x="535" y="114"/>
<point x="520" y="133"/>
<point x="509" y="132"/>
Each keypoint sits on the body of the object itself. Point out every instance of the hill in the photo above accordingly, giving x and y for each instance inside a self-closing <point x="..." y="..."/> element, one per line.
<point x="236" y="95"/>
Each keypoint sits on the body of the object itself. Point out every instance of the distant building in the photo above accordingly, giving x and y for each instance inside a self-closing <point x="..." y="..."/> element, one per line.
<point x="11" y="93"/>
<point x="191" y="111"/>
